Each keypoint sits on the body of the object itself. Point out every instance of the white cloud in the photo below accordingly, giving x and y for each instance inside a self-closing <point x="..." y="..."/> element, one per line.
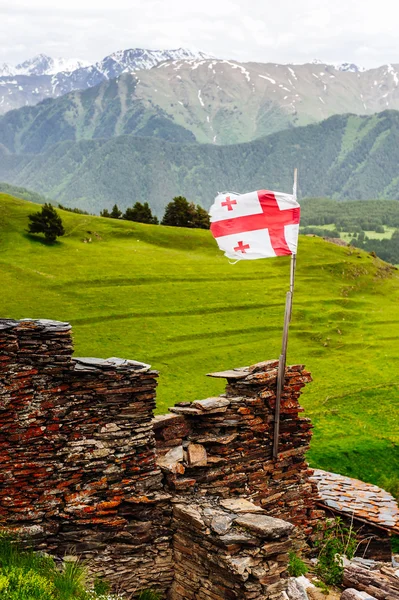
<point x="264" y="30"/>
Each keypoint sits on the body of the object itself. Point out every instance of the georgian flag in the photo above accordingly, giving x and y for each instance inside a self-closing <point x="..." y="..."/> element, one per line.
<point x="260" y="224"/>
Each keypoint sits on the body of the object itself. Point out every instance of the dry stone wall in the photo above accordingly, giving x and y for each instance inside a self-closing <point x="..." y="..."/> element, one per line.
<point x="189" y="503"/>
<point x="223" y="446"/>
<point x="228" y="549"/>
<point x="77" y="458"/>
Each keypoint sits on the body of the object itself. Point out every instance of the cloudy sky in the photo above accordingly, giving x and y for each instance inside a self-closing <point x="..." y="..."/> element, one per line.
<point x="361" y="31"/>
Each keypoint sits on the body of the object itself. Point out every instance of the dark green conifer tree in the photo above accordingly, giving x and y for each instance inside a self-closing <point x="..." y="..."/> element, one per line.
<point x="48" y="222"/>
<point x="115" y="212"/>
<point x="201" y="218"/>
<point x="179" y="213"/>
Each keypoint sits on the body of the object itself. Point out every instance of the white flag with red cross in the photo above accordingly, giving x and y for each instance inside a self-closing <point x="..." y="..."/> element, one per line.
<point x="260" y="224"/>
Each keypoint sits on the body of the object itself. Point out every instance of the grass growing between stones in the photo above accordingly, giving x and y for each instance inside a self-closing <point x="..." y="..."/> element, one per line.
<point x="167" y="296"/>
<point x="26" y="575"/>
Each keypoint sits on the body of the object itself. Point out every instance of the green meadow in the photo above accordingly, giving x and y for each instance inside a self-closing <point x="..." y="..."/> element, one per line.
<point x="168" y="296"/>
<point x="347" y="236"/>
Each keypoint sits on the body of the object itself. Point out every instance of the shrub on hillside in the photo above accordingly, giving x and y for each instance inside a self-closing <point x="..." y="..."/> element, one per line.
<point x="48" y="222"/>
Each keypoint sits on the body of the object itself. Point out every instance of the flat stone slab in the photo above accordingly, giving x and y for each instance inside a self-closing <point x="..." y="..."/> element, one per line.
<point x="190" y="514"/>
<point x="217" y="439"/>
<point x="211" y="403"/>
<point x="172" y="460"/>
<point x="160" y="420"/>
<point x="230" y="374"/>
<point x="221" y="524"/>
<point x="8" y="323"/>
<point x="239" y="537"/>
<point x="185" y="410"/>
<point x="266" y="527"/>
<point x="240" y="505"/>
<point x="47" y="325"/>
<point x="110" y="363"/>
<point x="201" y="407"/>
<point x="196" y="455"/>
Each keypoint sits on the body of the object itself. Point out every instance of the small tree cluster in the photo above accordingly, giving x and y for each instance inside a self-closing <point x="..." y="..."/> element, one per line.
<point x="48" y="222"/>
<point x="181" y="213"/>
<point x="178" y="213"/>
<point x="114" y="214"/>
<point x="141" y="213"/>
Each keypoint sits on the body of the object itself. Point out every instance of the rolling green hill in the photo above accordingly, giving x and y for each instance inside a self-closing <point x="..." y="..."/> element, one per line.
<point x="22" y="193"/>
<point x="343" y="157"/>
<point x="167" y="296"/>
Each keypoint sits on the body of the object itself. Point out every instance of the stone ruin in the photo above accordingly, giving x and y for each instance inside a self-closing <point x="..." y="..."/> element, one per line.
<point x="191" y="503"/>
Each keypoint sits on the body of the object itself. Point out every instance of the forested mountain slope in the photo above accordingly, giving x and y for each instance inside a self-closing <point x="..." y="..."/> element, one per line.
<point x="345" y="157"/>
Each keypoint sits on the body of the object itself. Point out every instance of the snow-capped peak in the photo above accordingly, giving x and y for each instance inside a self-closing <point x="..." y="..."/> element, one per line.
<point x="42" y="65"/>
<point x="125" y="61"/>
<point x="66" y="65"/>
<point x="6" y="70"/>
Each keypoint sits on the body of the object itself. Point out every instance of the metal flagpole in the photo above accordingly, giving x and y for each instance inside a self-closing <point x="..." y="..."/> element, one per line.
<point x="283" y="355"/>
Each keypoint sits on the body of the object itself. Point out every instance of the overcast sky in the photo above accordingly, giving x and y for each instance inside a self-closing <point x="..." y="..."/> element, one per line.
<point x="360" y="31"/>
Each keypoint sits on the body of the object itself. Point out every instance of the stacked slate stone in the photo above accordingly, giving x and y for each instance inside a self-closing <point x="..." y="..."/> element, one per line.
<point x="78" y="464"/>
<point x="228" y="449"/>
<point x="374" y="580"/>
<point x="228" y="549"/>
<point x="32" y="354"/>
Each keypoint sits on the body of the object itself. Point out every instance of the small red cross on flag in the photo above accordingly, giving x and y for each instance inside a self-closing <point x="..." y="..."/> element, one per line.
<point x="256" y="225"/>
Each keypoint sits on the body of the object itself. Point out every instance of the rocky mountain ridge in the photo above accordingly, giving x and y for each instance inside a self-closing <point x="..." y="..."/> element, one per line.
<point x="44" y="77"/>
<point x="42" y="65"/>
<point x="201" y="100"/>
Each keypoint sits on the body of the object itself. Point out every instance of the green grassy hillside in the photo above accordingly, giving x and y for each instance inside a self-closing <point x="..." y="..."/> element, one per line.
<point x="167" y="296"/>
<point x="94" y="174"/>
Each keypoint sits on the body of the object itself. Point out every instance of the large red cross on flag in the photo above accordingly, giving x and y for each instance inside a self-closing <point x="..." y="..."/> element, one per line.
<point x="256" y="225"/>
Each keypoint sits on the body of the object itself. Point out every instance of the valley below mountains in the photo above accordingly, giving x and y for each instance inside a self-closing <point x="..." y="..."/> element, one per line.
<point x="344" y="157"/>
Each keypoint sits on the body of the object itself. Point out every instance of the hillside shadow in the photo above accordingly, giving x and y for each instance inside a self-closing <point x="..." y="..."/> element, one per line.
<point x="40" y="239"/>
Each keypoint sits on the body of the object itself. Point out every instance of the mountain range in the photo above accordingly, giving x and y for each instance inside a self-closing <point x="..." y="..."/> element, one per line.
<point x="345" y="156"/>
<point x="44" y="77"/>
<point x="200" y="100"/>
<point x="166" y="123"/>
